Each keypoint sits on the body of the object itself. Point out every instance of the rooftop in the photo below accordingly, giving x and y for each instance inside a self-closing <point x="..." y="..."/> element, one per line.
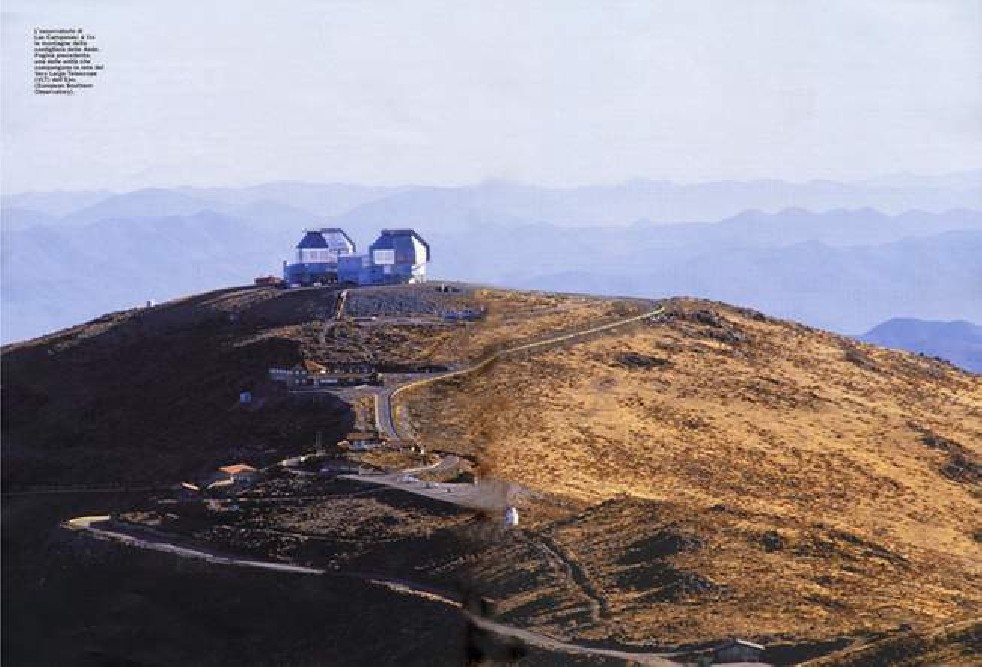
<point x="740" y="642"/>
<point x="237" y="468"/>
<point x="362" y="435"/>
<point x="312" y="239"/>
<point x="312" y="366"/>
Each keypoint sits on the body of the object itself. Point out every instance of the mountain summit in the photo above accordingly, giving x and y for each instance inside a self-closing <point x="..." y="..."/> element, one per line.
<point x="684" y="470"/>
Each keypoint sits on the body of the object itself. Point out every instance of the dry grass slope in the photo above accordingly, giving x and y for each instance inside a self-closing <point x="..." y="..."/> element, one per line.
<point x="746" y="475"/>
<point x="954" y="644"/>
<point x="715" y="473"/>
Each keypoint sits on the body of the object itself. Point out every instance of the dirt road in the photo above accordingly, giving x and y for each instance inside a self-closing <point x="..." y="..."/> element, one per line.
<point x="385" y="398"/>
<point x="466" y="495"/>
<point x="385" y="420"/>
<point x="470" y="496"/>
<point x="101" y="527"/>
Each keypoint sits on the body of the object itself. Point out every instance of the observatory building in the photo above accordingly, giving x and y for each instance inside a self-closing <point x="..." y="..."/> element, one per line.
<point x="317" y="256"/>
<point x="328" y="255"/>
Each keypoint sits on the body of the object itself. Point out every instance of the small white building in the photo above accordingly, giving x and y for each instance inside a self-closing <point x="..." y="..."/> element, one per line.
<point x="511" y="517"/>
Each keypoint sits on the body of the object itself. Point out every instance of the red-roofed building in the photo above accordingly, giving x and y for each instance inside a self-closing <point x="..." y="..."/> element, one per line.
<point x="239" y="472"/>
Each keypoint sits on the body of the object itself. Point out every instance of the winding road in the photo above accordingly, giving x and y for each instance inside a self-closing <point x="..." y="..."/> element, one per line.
<point x="468" y="495"/>
<point x="385" y="409"/>
<point x="102" y="527"/>
<point x="464" y="495"/>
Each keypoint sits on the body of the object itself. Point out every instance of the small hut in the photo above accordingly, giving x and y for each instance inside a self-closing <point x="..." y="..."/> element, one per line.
<point x="363" y="441"/>
<point x="240" y="472"/>
<point x="737" y="650"/>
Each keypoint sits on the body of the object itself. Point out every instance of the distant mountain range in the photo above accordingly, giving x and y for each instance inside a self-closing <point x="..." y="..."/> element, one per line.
<point x="157" y="203"/>
<point x="959" y="342"/>
<point x="54" y="204"/>
<point x="54" y="277"/>
<point x="845" y="289"/>
<point x="651" y="201"/>
<point x="505" y="202"/>
<point x="72" y="256"/>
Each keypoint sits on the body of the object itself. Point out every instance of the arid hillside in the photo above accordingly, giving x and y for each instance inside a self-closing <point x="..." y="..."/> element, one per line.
<point x="148" y="395"/>
<point x="703" y="473"/>
<point x="732" y="474"/>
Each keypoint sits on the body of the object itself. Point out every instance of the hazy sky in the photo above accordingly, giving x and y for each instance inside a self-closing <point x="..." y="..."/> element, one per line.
<point x="452" y="92"/>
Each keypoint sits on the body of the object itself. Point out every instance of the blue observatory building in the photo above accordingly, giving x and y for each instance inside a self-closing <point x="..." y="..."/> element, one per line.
<point x="317" y="257"/>
<point x="398" y="256"/>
